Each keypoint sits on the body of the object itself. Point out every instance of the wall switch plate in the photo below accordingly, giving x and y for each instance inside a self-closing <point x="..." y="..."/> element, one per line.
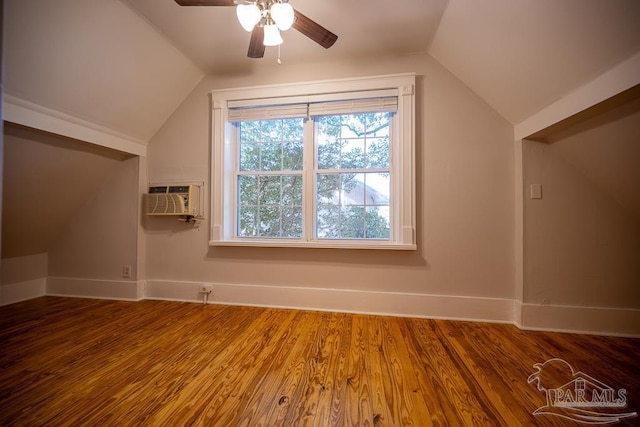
<point x="536" y="191"/>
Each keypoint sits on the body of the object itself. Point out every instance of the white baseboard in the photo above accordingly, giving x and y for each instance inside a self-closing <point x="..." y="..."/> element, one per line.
<point x="22" y="291"/>
<point x="584" y="320"/>
<point x="95" y="288"/>
<point x="574" y="319"/>
<point x="341" y="300"/>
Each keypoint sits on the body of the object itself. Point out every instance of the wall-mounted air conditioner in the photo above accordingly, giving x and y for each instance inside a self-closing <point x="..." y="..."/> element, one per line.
<point x="182" y="200"/>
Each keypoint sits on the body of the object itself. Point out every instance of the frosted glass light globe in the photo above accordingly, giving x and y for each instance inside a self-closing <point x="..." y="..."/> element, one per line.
<point x="271" y="36"/>
<point x="248" y="15"/>
<point x="282" y="14"/>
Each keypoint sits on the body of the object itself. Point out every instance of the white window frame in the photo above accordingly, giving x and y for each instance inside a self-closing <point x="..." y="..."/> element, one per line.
<point x="224" y="160"/>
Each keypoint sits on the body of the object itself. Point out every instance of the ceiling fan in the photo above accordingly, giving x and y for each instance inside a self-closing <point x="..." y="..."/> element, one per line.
<point x="266" y="18"/>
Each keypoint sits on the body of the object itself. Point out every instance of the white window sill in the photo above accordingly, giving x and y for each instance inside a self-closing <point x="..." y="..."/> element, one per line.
<point x="318" y="244"/>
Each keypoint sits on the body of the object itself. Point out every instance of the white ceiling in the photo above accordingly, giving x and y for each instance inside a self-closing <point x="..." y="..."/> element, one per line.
<point x="213" y="38"/>
<point x="125" y="65"/>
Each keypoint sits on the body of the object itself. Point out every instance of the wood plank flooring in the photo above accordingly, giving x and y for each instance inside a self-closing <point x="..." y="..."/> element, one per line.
<point x="71" y="362"/>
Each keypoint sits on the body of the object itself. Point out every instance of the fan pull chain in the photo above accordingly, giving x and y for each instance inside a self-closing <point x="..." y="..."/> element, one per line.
<point x="279" y="62"/>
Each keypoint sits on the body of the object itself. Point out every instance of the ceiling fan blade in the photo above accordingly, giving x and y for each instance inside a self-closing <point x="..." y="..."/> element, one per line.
<point x="256" y="45"/>
<point x="206" y="2"/>
<point x="313" y="30"/>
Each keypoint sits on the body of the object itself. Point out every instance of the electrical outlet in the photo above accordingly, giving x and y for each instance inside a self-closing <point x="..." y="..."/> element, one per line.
<point x="126" y="271"/>
<point x="206" y="289"/>
<point x="536" y="191"/>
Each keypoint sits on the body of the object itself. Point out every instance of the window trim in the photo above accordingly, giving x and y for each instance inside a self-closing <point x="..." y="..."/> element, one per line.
<point x="403" y="159"/>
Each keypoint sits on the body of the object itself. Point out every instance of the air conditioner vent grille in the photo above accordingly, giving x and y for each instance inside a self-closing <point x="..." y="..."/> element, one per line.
<point x="172" y="200"/>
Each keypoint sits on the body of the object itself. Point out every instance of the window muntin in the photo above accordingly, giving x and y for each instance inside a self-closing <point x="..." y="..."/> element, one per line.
<point x="231" y="107"/>
<point x="349" y="208"/>
<point x="271" y="145"/>
<point x="353" y="141"/>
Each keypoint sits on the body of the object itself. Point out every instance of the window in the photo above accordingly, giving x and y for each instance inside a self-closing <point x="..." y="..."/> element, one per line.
<point x="320" y="164"/>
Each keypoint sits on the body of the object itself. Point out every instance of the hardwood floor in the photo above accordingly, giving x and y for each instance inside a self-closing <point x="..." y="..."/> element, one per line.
<point x="93" y="362"/>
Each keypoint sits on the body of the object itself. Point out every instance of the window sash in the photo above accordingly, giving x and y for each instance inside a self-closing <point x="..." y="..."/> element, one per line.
<point x="364" y="204"/>
<point x="285" y="202"/>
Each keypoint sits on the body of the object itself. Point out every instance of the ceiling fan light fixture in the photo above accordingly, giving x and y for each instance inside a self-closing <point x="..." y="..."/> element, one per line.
<point x="272" y="35"/>
<point x="264" y="19"/>
<point x="248" y="15"/>
<point x="282" y="14"/>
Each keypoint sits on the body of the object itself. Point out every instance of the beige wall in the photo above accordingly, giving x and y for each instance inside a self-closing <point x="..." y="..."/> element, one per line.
<point x="23" y="278"/>
<point x="70" y="209"/>
<point x="1" y="112"/>
<point x="20" y="269"/>
<point x="47" y="179"/>
<point x="101" y="236"/>
<point x="67" y="201"/>
<point x="582" y="239"/>
<point x="464" y="187"/>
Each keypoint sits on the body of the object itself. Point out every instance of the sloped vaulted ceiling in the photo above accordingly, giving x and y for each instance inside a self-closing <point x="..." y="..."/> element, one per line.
<point x="125" y="65"/>
<point x="96" y="61"/>
<point x="522" y="55"/>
